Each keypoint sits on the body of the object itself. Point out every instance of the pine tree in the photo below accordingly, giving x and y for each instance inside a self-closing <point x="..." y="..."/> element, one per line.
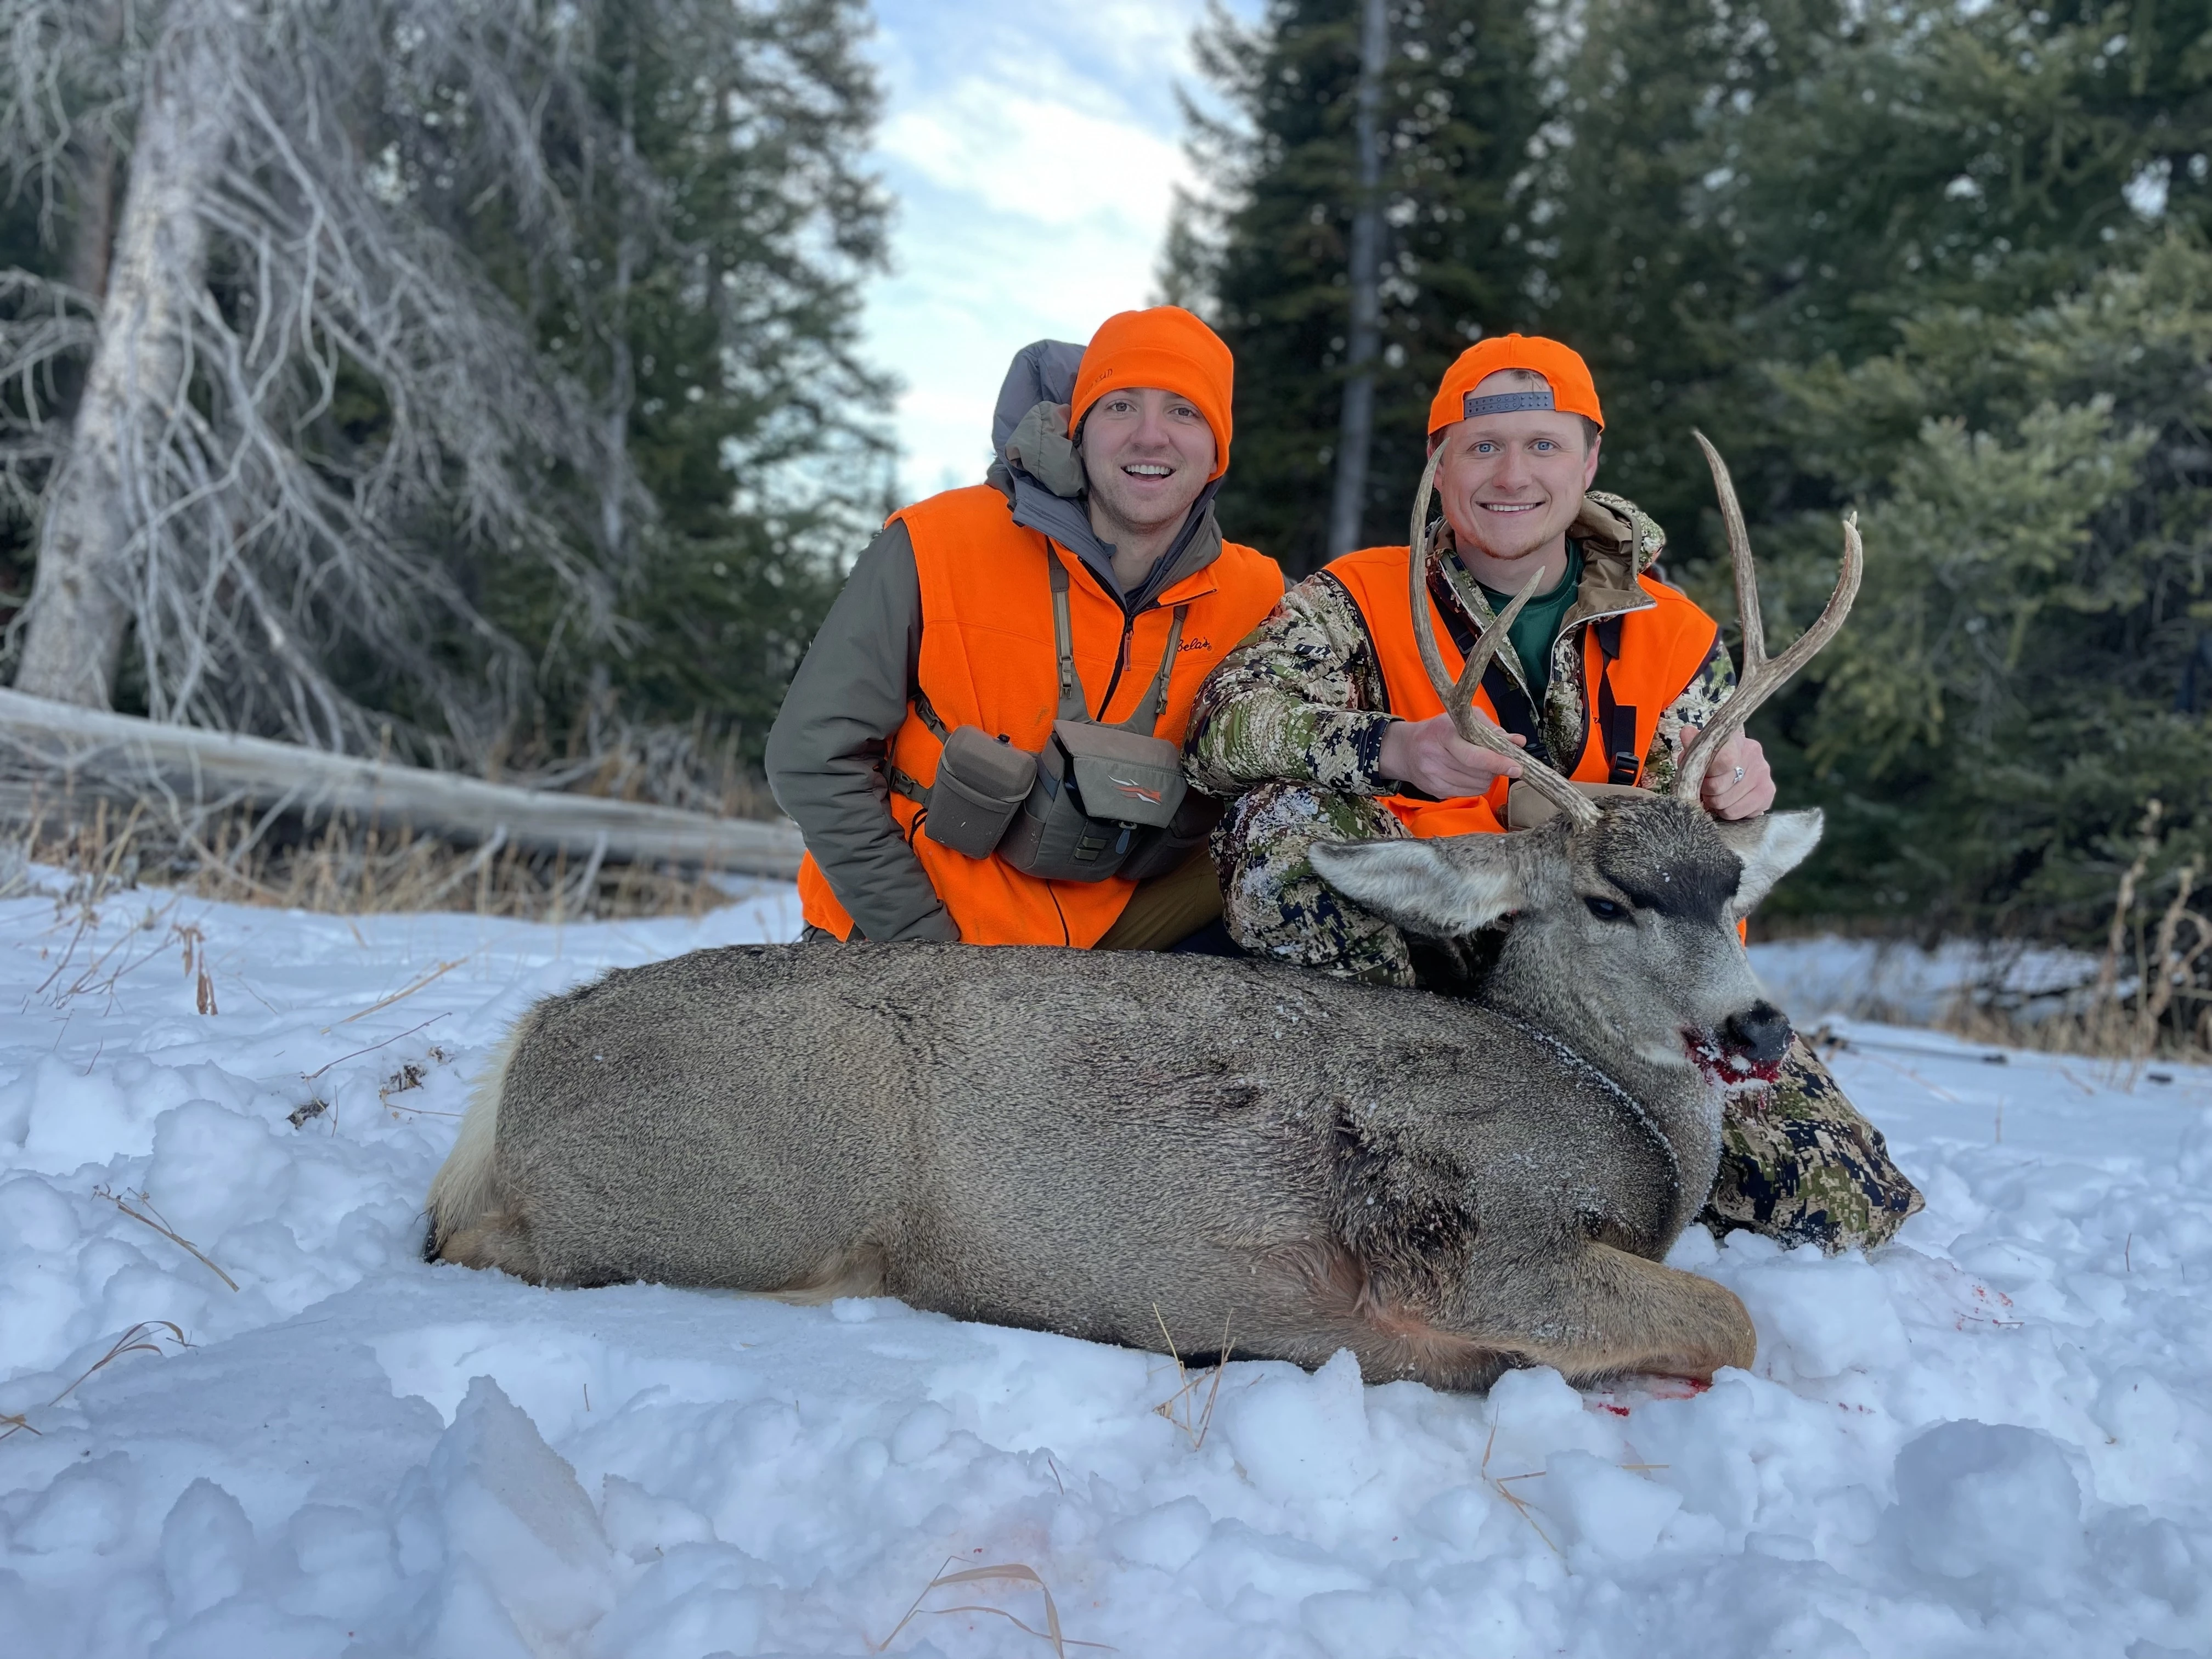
<point x="722" y="336"/>
<point x="1940" y="263"/>
<point x="1641" y="265"/>
<point x="1728" y="186"/>
<point x="1267" y="250"/>
<point x="2009" y="693"/>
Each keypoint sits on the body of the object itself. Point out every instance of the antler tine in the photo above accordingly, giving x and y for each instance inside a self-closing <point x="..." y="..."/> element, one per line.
<point x="1762" y="676"/>
<point x="1747" y="611"/>
<point x="1417" y="563"/>
<point x="1486" y="648"/>
<point x="1459" y="694"/>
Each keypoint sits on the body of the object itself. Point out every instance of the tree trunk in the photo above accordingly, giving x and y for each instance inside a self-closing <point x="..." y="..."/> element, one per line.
<point x="93" y="241"/>
<point x="1356" y="430"/>
<point x="622" y="376"/>
<point x="99" y="753"/>
<point x="141" y="371"/>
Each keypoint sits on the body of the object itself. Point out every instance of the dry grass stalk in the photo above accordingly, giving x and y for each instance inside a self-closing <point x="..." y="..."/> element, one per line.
<point x="437" y="973"/>
<point x="90" y="980"/>
<point x="2174" y="967"/>
<point x="195" y="944"/>
<point x="144" y="1337"/>
<point x="2099" y="1033"/>
<point x="314" y="1106"/>
<point x="309" y="1076"/>
<point x="1499" y="1484"/>
<point x="339" y="866"/>
<point x="1052" y="1632"/>
<point x="2147" y="844"/>
<point x="152" y="1218"/>
<point x="1183" y="1400"/>
<point x="411" y="1076"/>
<point x="2126" y="1026"/>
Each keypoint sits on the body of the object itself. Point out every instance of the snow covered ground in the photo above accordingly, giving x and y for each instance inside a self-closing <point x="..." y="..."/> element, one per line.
<point x="1990" y="1438"/>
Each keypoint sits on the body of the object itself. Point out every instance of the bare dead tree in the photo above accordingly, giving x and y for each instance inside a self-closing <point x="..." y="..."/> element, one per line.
<point x="265" y="260"/>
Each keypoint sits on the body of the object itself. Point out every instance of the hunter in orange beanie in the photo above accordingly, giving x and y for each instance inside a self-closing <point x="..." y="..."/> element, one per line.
<point x="1084" y="582"/>
<point x="1572" y="391"/>
<point x="1165" y="347"/>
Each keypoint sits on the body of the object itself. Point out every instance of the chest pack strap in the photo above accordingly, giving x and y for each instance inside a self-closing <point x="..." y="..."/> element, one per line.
<point x="900" y="783"/>
<point x="1072" y="705"/>
<point x="1616" y="721"/>
<point x="926" y="712"/>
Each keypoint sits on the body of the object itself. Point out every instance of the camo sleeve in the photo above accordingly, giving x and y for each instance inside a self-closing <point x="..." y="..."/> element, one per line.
<point x="1707" y="690"/>
<point x="1301" y="700"/>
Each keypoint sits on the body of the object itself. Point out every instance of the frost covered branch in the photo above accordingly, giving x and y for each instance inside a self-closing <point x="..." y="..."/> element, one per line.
<point x="309" y="421"/>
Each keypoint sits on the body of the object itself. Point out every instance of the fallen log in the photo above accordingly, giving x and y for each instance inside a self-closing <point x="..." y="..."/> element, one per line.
<point x="109" y="752"/>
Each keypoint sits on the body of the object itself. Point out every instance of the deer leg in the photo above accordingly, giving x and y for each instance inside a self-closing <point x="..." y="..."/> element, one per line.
<point x="1593" y="1311"/>
<point x="1600" y="1312"/>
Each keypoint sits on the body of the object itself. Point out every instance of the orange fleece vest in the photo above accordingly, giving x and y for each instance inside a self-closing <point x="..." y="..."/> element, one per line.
<point x="1663" y="647"/>
<point x="988" y="659"/>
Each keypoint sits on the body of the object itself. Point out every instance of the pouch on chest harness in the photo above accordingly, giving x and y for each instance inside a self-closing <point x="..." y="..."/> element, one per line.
<point x="1101" y="800"/>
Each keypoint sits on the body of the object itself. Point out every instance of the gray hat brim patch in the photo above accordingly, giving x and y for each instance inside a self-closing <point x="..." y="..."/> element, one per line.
<point x="1507" y="403"/>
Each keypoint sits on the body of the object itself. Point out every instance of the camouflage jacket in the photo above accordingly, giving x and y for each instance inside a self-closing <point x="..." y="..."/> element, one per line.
<point x="1303" y="698"/>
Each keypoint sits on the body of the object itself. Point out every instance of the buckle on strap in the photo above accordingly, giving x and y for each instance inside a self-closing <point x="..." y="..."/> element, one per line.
<point x="926" y="712"/>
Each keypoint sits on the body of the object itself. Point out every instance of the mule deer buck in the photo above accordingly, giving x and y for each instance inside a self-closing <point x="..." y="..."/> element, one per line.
<point x="1124" y="1147"/>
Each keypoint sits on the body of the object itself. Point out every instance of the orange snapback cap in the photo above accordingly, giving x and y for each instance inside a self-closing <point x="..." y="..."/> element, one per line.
<point x="1571" y="390"/>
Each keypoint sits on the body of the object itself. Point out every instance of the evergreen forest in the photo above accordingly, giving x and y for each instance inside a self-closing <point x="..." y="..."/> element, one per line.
<point x="1944" y="264"/>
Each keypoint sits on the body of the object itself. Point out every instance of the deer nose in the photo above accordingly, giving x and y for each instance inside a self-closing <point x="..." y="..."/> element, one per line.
<point x="1760" y="1033"/>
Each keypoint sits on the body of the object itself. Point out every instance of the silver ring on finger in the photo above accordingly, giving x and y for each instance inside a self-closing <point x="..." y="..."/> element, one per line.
<point x="1739" y="775"/>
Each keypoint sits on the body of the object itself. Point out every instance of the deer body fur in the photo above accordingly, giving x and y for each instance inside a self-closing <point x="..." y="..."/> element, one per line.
<point x="1125" y="1147"/>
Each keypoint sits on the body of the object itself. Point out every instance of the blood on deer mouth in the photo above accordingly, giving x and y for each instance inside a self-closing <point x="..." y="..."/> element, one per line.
<point x="1726" y="1067"/>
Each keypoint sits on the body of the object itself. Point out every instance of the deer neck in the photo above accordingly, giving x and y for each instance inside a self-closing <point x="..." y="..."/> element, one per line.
<point x="1668" y="1089"/>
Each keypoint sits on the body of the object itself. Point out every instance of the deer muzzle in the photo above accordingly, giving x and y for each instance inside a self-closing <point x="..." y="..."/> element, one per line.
<point x="1760" y="1034"/>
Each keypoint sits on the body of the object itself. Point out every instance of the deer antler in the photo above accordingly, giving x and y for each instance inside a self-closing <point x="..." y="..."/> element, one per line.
<point x="1459" y="695"/>
<point x="1761" y="678"/>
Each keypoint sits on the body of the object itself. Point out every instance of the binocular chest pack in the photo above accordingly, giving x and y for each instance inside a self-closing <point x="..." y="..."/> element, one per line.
<point x="1100" y="800"/>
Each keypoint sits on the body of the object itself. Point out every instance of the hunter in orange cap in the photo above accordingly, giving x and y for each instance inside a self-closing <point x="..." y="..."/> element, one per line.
<point x="926" y="746"/>
<point x="1326" y="726"/>
<point x="1552" y="376"/>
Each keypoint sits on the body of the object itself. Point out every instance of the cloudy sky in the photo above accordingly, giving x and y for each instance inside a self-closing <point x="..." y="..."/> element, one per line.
<point x="1033" y="148"/>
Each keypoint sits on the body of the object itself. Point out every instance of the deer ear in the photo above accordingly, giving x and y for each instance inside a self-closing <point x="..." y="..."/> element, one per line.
<point x="1771" y="846"/>
<point x="1443" y="887"/>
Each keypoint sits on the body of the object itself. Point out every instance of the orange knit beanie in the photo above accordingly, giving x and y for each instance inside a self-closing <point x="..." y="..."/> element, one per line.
<point x="1165" y="347"/>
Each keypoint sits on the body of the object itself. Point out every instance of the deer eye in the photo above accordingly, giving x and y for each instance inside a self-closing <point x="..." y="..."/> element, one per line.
<point x="1606" y="910"/>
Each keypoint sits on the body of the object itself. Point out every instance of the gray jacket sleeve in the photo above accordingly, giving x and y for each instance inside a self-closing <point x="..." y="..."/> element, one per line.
<point x="826" y="751"/>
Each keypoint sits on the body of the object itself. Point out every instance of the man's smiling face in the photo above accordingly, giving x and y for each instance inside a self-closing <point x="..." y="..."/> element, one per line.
<point x="1148" y="453"/>
<point x="1512" y="483"/>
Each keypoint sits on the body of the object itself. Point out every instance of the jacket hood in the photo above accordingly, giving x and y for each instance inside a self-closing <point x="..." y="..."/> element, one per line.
<point x="1042" y="372"/>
